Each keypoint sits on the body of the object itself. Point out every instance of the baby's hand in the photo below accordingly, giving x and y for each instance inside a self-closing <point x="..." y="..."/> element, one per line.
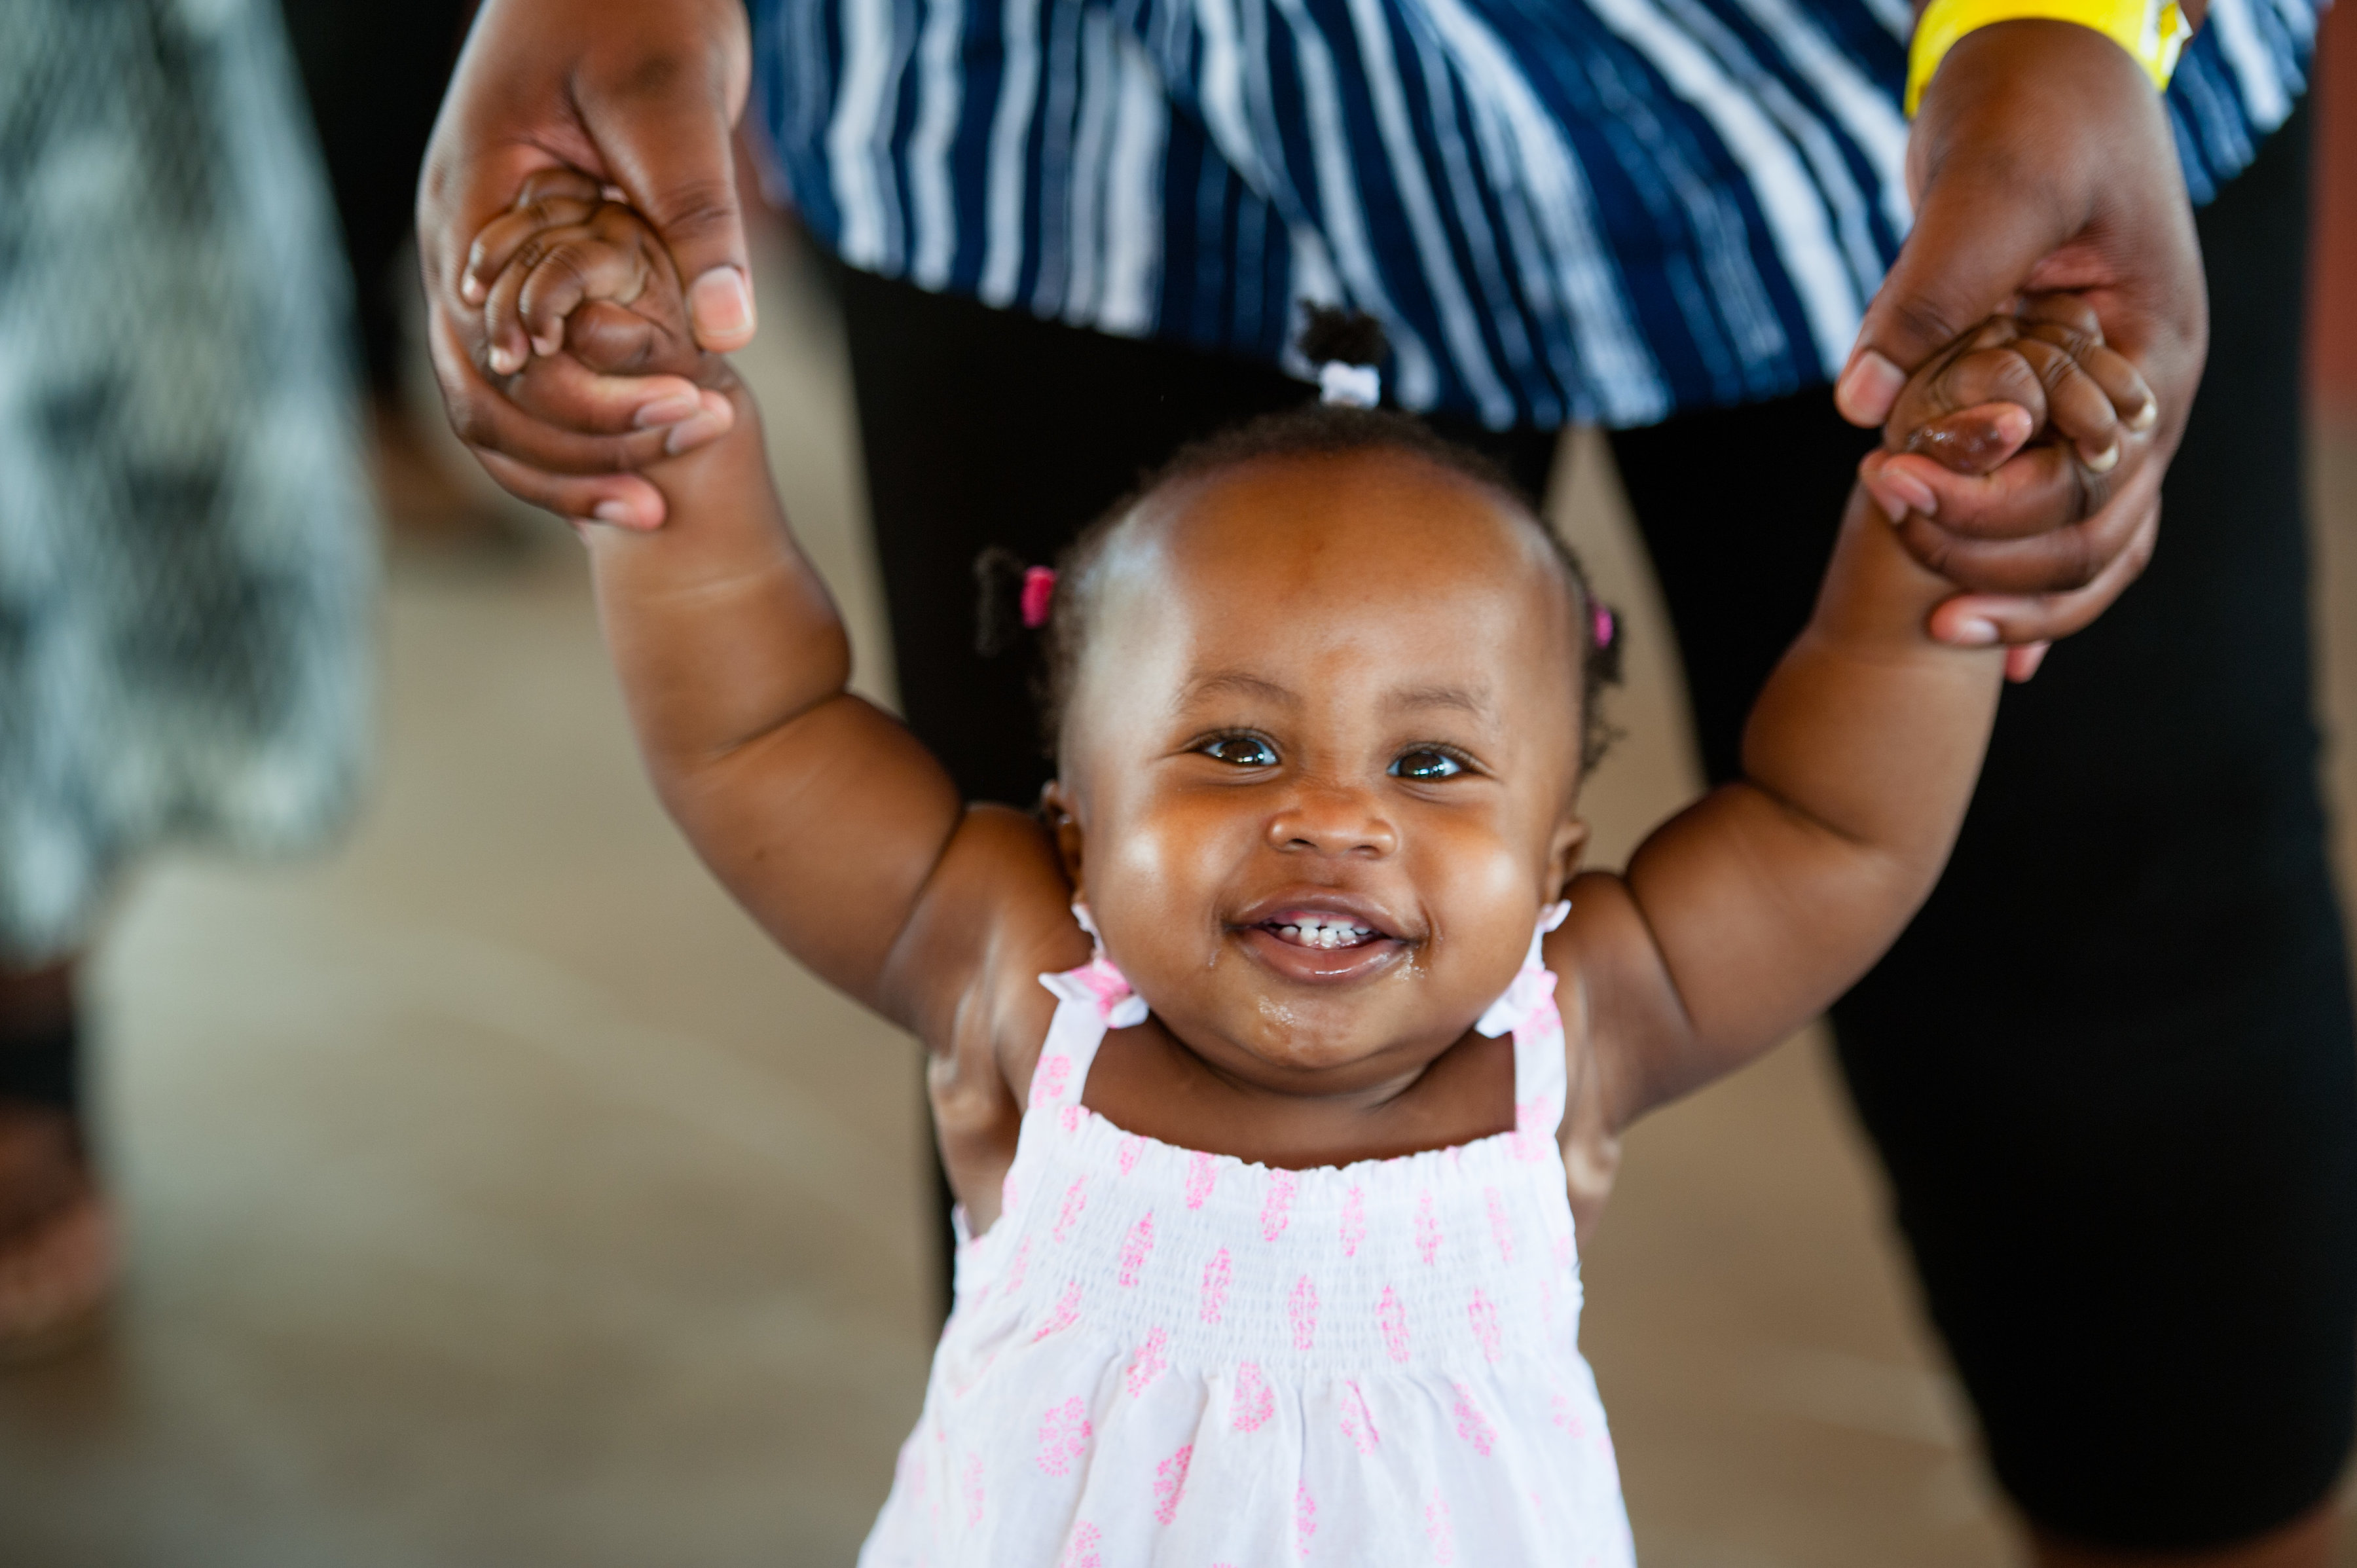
<point x="2009" y="435"/>
<point x="577" y="272"/>
<point x="2049" y="362"/>
<point x="564" y="245"/>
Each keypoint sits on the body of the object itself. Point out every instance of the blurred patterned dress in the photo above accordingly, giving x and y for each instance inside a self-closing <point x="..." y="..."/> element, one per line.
<point x="186" y="543"/>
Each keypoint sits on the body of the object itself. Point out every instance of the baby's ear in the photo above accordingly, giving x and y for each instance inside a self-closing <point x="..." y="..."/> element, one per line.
<point x="1057" y="815"/>
<point x="1565" y="854"/>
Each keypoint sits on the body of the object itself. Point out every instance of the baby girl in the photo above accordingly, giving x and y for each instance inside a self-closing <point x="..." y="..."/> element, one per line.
<point x="1280" y="1053"/>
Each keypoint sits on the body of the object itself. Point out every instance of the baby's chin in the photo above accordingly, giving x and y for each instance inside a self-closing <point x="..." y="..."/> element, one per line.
<point x="1318" y="1044"/>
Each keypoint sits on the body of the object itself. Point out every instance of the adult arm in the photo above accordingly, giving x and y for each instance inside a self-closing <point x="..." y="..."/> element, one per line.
<point x="2041" y="160"/>
<point x="643" y="95"/>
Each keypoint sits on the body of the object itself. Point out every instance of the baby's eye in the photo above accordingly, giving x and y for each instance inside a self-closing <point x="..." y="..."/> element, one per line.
<point x="1425" y="764"/>
<point x="1243" y="750"/>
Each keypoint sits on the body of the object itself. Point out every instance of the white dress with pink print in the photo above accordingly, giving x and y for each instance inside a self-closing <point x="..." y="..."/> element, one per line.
<point x="1160" y="1356"/>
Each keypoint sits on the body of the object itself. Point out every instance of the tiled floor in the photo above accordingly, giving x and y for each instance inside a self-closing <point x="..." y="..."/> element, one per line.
<point x="498" y="1197"/>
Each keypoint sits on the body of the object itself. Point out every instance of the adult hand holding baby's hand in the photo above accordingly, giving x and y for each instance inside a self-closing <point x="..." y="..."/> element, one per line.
<point x="578" y="287"/>
<point x="641" y="94"/>
<point x="1975" y="499"/>
<point x="2041" y="160"/>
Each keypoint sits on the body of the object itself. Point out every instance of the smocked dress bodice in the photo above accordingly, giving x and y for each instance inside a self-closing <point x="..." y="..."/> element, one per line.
<point x="1162" y="1356"/>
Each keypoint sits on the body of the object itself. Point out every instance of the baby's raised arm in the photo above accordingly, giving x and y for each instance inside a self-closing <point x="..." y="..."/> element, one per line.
<point x="825" y="818"/>
<point x="1750" y="912"/>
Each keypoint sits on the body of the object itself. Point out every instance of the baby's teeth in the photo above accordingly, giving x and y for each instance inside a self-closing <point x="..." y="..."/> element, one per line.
<point x="1323" y="934"/>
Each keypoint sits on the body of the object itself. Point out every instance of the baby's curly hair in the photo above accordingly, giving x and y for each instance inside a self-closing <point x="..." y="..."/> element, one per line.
<point x="1317" y="430"/>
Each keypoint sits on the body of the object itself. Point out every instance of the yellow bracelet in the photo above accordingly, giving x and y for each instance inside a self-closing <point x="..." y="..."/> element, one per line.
<point x="2151" y="30"/>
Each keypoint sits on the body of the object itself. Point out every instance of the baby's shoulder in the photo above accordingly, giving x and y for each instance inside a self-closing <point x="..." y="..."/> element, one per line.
<point x="1615" y="997"/>
<point x="995" y="915"/>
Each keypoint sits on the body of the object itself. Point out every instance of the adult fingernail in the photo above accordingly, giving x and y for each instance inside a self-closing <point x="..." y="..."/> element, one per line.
<point x="2105" y="461"/>
<point x="1973" y="632"/>
<point x="1867" y="388"/>
<point x="471" y="290"/>
<point x="720" y="303"/>
<point x="2146" y="416"/>
<point x="505" y="361"/>
<point x="1897" y="492"/>
<point x="1886" y="501"/>
<point x="1911" y="490"/>
<point x="693" y="431"/>
<point x="616" y="513"/>
<point x="669" y="409"/>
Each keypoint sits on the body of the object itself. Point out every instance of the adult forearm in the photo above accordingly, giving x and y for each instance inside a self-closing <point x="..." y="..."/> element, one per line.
<point x="2195" y="11"/>
<point x="641" y="94"/>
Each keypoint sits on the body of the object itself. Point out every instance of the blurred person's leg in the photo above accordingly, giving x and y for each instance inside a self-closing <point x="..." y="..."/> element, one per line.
<point x="185" y="576"/>
<point x="374" y="75"/>
<point x="985" y="427"/>
<point x="56" y="1253"/>
<point x="2109" y="1068"/>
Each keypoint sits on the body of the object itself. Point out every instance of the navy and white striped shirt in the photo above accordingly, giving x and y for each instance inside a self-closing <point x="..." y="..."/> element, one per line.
<point x="1563" y="210"/>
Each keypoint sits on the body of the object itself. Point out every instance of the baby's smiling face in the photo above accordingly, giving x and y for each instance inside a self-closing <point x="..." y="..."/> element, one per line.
<point x="1321" y="761"/>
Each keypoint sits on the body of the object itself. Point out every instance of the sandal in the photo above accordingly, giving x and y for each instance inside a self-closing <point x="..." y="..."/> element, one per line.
<point x="57" y="1235"/>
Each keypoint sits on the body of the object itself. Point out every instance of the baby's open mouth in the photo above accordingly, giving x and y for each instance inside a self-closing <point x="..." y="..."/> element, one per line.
<point x="1329" y="932"/>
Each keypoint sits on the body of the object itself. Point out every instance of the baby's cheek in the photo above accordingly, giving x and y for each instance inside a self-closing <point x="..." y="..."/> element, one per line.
<point x="1481" y="889"/>
<point x="1157" y="873"/>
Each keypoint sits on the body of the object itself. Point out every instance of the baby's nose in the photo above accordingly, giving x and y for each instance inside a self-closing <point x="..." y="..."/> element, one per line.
<point x="1332" y="820"/>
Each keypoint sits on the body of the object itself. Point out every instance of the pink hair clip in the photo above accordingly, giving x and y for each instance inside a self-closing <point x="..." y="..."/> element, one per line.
<point x="1038" y="595"/>
<point x="1604" y="626"/>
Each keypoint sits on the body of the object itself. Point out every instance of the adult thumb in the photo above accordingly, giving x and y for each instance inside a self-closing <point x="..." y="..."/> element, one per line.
<point x="667" y="140"/>
<point x="1974" y="246"/>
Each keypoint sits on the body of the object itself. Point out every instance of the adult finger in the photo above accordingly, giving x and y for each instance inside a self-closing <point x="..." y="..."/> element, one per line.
<point x="2038" y="490"/>
<point x="1972" y="244"/>
<point x="559" y="389"/>
<point x="1977" y="620"/>
<point x="2057" y="561"/>
<point x="666" y="128"/>
<point x="638" y="413"/>
<point x="625" y="501"/>
<point x="2060" y="560"/>
<point x="2061" y="307"/>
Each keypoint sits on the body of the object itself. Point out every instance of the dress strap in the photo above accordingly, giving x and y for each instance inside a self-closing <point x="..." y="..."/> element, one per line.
<point x="1528" y="1009"/>
<point x="1096" y="998"/>
<point x="1090" y="1001"/>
